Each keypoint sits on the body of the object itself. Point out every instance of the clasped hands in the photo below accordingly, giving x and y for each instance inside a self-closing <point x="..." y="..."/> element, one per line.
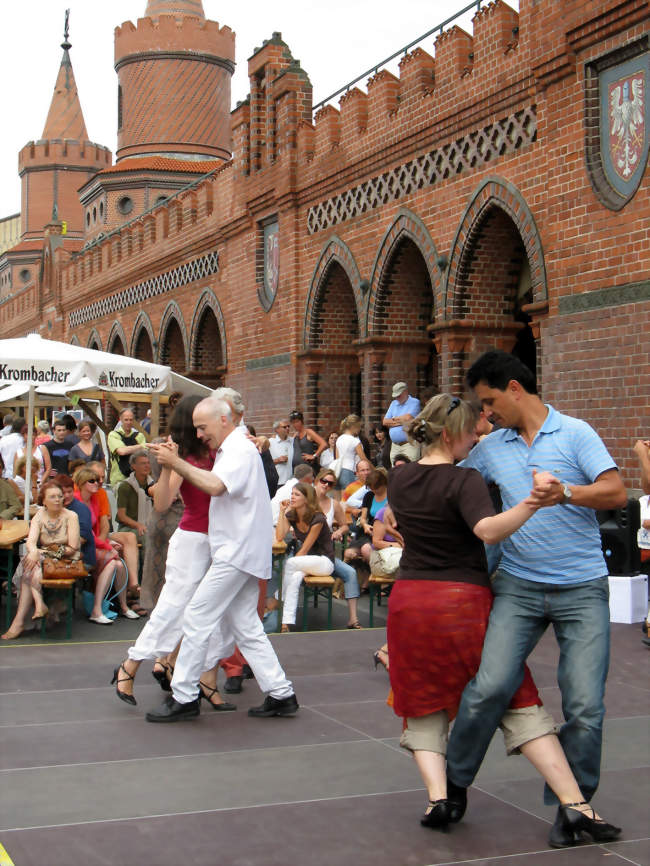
<point x="547" y="490"/>
<point x="166" y="453"/>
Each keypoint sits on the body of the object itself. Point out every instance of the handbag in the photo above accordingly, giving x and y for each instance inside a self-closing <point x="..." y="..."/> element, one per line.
<point x="385" y="562"/>
<point x="56" y="566"/>
<point x="336" y="466"/>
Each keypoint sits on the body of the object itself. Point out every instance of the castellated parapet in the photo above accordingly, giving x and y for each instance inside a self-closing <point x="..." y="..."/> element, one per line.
<point x="174" y="87"/>
<point x="84" y="155"/>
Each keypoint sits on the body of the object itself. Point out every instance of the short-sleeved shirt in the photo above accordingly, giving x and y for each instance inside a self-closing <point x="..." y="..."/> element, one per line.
<point x="117" y="439"/>
<point x="127" y="498"/>
<point x="410" y="407"/>
<point x="88" y="553"/>
<point x="241" y="528"/>
<point x="282" y="448"/>
<point x="323" y="545"/>
<point x="560" y="544"/>
<point x="436" y="507"/>
<point x="59" y="454"/>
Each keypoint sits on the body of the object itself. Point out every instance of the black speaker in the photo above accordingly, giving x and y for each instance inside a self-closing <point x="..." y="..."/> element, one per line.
<point x="618" y="529"/>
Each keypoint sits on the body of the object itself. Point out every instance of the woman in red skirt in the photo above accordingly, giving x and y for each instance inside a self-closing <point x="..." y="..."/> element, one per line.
<point x="440" y="604"/>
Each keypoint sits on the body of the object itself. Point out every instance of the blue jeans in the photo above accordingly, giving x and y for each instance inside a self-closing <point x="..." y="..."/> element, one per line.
<point x="521" y="612"/>
<point x="349" y="577"/>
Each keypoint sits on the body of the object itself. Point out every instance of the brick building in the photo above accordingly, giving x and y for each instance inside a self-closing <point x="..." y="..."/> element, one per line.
<point x="474" y="201"/>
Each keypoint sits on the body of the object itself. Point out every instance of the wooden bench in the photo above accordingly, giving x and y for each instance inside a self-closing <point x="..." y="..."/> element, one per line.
<point x="315" y="585"/>
<point x="11" y="535"/>
<point x="64" y="586"/>
<point x="376" y="584"/>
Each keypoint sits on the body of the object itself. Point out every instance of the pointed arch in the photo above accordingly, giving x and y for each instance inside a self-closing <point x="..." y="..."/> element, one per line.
<point x="492" y="193"/>
<point x="143" y="323"/>
<point x="74" y="340"/>
<point x="94" y="340"/>
<point x="116" y="336"/>
<point x="406" y="226"/>
<point x="208" y="300"/>
<point x="334" y="252"/>
<point x="175" y="355"/>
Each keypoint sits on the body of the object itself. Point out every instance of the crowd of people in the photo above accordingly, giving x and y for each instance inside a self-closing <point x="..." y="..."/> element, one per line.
<point x="476" y="585"/>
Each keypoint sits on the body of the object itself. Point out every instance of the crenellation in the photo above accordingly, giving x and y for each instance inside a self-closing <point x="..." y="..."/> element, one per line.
<point x="454" y="54"/>
<point x="417" y="74"/>
<point x="354" y="114"/>
<point x="171" y="34"/>
<point x="327" y="129"/>
<point x="496" y="31"/>
<point x="65" y="152"/>
<point x="383" y="93"/>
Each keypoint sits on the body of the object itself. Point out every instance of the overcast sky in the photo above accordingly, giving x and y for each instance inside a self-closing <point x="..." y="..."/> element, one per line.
<point x="334" y="40"/>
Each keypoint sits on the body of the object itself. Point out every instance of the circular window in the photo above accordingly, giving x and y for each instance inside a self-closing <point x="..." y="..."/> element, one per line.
<point x="24" y="275"/>
<point x="125" y="205"/>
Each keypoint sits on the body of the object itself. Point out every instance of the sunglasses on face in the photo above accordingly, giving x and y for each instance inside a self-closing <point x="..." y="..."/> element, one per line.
<point x="327" y="482"/>
<point x="93" y="481"/>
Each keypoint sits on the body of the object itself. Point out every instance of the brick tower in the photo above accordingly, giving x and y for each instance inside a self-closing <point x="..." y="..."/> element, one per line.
<point x="174" y="70"/>
<point x="53" y="168"/>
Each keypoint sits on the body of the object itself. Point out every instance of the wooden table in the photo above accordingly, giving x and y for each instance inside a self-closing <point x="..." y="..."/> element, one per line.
<point x="11" y="534"/>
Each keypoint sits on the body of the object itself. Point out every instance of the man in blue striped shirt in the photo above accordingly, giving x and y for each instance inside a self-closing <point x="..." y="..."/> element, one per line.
<point x="552" y="570"/>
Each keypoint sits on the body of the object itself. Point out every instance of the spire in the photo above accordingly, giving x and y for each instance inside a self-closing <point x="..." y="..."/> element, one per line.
<point x="65" y="118"/>
<point x="174" y="7"/>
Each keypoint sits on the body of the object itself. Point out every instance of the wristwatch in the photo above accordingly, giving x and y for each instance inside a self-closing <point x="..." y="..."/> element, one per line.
<point x="567" y="493"/>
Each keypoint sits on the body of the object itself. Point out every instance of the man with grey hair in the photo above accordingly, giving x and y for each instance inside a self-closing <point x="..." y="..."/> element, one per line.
<point x="7" y="421"/>
<point x="223" y="609"/>
<point x="282" y="449"/>
<point x="134" y="504"/>
<point x="121" y="443"/>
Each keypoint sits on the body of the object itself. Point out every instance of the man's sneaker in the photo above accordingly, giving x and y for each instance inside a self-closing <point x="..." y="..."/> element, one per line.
<point x="274" y="707"/>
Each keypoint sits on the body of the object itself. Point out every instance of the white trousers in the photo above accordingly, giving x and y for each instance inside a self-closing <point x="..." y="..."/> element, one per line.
<point x="188" y="559"/>
<point x="295" y="568"/>
<point x="222" y="612"/>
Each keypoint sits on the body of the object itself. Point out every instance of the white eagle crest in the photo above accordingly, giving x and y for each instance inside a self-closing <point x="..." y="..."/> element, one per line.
<point x="627" y="115"/>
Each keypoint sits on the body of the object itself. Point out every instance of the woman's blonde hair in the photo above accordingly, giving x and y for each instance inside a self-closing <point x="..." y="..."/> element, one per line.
<point x="82" y="475"/>
<point x="21" y="463"/>
<point x="349" y="422"/>
<point x="324" y="473"/>
<point x="442" y="412"/>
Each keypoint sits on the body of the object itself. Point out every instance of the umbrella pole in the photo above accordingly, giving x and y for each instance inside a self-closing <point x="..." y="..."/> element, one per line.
<point x="29" y="449"/>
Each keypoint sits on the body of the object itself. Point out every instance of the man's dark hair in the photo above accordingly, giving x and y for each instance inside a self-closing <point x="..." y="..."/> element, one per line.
<point x="497" y="368"/>
<point x="70" y="422"/>
<point x="17" y="424"/>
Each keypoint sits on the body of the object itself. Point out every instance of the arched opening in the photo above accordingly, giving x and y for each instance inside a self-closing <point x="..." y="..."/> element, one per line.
<point x="143" y="350"/>
<point x="494" y="282"/>
<point x="116" y="346"/>
<point x="333" y="331"/>
<point x="401" y="313"/>
<point x="172" y="350"/>
<point x="207" y="354"/>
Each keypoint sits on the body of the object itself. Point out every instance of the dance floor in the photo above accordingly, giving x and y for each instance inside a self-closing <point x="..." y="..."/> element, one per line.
<point x="84" y="780"/>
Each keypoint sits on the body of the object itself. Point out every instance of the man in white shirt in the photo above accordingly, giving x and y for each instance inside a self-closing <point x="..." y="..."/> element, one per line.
<point x="282" y="449"/>
<point x="302" y="472"/>
<point x="7" y="421"/>
<point x="223" y="609"/>
<point x="11" y="444"/>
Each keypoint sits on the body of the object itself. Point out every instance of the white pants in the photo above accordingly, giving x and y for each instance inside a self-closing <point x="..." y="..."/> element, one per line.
<point x="222" y="612"/>
<point x="188" y="559"/>
<point x="295" y="568"/>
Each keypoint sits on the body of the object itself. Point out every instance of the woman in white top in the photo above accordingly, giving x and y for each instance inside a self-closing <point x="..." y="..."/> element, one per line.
<point x="349" y="449"/>
<point x="328" y="454"/>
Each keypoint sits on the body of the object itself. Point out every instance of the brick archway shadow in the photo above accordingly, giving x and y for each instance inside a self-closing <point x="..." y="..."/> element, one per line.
<point x="493" y="192"/>
<point x="208" y="299"/>
<point x="116" y="331"/>
<point x="405" y="225"/>
<point x="334" y="251"/>
<point x="94" y="340"/>
<point x="142" y="322"/>
<point x="173" y="313"/>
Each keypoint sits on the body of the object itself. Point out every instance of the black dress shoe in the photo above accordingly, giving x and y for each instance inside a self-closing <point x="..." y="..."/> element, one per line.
<point x="171" y="711"/>
<point x="456" y="801"/>
<point x="248" y="673"/>
<point x="570" y="825"/>
<point x="437" y="816"/>
<point x="275" y="707"/>
<point x="233" y="685"/>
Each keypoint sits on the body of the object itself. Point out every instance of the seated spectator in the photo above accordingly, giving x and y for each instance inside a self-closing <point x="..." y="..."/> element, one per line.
<point x="86" y="448"/>
<point x="385" y="564"/>
<point x="302" y="472"/>
<point x="401" y="460"/>
<point x="330" y="452"/>
<point x="20" y="479"/>
<point x="349" y="449"/>
<point x="315" y="554"/>
<point x="109" y="569"/>
<point x="134" y="504"/>
<point x="375" y="499"/>
<point x="10" y="506"/>
<point x="70" y="501"/>
<point x="382" y="444"/>
<point x="353" y="494"/>
<point x="324" y="485"/>
<point x="59" y="448"/>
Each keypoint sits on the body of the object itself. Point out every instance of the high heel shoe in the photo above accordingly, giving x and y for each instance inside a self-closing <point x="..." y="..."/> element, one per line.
<point x="128" y="699"/>
<point x="378" y="660"/>
<point x="222" y="707"/>
<point x="161" y="676"/>
<point x="437" y="818"/>
<point x="570" y="823"/>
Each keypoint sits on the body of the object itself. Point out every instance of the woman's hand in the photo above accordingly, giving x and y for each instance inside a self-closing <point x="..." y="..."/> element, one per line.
<point x="33" y="558"/>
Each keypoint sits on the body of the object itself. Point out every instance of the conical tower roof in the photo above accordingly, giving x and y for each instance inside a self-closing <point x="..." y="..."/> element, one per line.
<point x="174" y="7"/>
<point x="65" y="118"/>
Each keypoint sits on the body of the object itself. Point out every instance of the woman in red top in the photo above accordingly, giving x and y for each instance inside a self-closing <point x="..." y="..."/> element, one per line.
<point x="108" y="562"/>
<point x="188" y="559"/>
<point x="440" y="604"/>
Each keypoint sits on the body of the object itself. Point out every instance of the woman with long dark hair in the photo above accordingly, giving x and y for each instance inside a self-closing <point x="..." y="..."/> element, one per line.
<point x="188" y="559"/>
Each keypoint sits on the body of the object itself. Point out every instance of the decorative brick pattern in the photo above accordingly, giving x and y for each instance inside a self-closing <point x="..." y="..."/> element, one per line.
<point x="468" y="153"/>
<point x="158" y="285"/>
